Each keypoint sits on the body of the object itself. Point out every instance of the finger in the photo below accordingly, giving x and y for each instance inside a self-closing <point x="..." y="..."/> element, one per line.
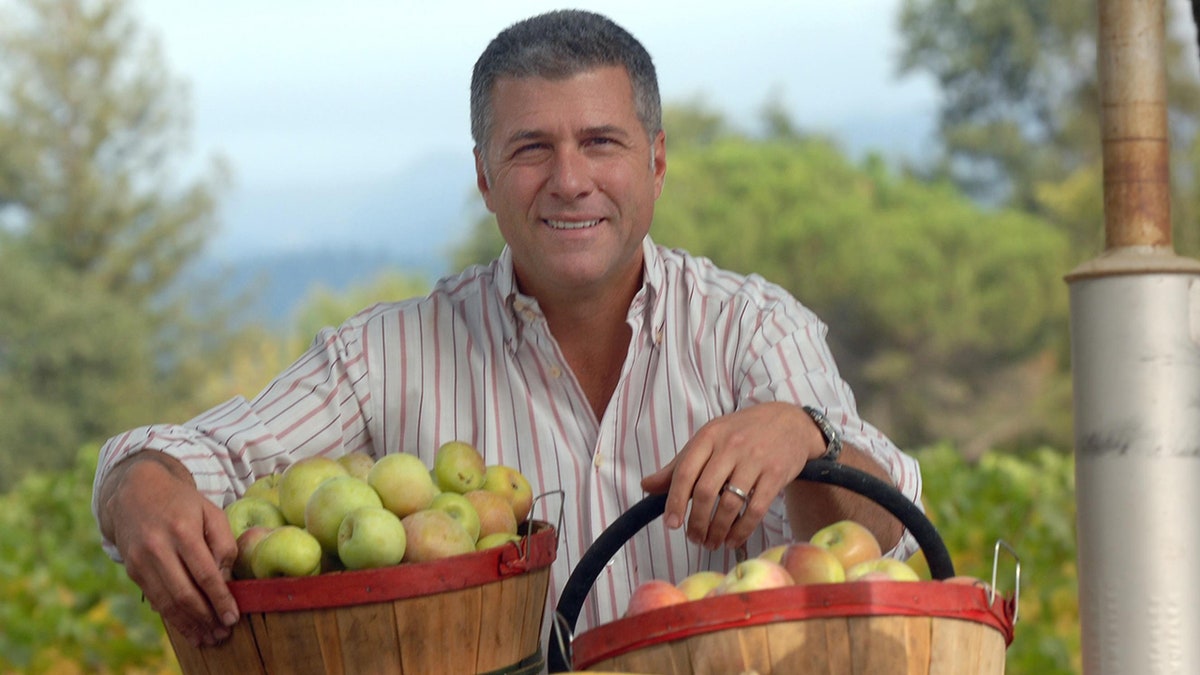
<point x="659" y="481"/>
<point x="767" y="488"/>
<point x="690" y="464"/>
<point x="223" y="546"/>
<point x="165" y="587"/>
<point x="729" y="508"/>
<point x="707" y="499"/>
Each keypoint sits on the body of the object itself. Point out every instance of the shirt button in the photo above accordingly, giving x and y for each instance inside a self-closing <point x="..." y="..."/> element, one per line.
<point x="555" y="372"/>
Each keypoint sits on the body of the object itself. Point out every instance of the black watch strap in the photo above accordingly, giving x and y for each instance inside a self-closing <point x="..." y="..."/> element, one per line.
<point x="833" y="442"/>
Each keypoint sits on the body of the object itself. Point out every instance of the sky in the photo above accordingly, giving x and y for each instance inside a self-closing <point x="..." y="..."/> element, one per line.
<point x="306" y="97"/>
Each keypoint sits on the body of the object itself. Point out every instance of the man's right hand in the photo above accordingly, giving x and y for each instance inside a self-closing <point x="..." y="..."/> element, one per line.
<point x="176" y="544"/>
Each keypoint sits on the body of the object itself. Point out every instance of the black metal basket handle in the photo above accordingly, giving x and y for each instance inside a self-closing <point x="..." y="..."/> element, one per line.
<point x="583" y="577"/>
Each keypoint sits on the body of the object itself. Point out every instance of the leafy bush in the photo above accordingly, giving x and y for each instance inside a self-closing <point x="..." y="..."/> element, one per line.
<point x="67" y="607"/>
<point x="1029" y="502"/>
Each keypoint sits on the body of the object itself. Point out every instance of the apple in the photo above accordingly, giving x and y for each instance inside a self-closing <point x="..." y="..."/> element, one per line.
<point x="433" y="534"/>
<point x="851" y="542"/>
<point x="371" y="536"/>
<point x="698" y="584"/>
<point x="357" y="463"/>
<point x="495" y="512"/>
<point x="403" y="483"/>
<point x="889" y="569"/>
<point x="458" y="467"/>
<point x="288" y="551"/>
<point x="331" y="502"/>
<point x="247" y="512"/>
<point x="774" y="554"/>
<point x="812" y="564"/>
<point x="299" y="481"/>
<point x="513" y="486"/>
<point x="653" y="594"/>
<point x="246" y="542"/>
<point x="461" y="509"/>
<point x="266" y="487"/>
<point x="497" y="539"/>
<point x="755" y="574"/>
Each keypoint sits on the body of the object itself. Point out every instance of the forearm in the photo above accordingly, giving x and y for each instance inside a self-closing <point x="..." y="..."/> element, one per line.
<point x="811" y="506"/>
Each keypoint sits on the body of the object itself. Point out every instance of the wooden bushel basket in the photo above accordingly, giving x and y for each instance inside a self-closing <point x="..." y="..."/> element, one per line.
<point x="475" y="613"/>
<point x="851" y="628"/>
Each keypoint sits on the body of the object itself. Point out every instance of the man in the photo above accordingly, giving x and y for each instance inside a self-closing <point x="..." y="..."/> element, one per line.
<point x="588" y="357"/>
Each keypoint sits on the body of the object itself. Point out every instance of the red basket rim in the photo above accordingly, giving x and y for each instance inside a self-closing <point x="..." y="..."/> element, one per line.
<point x="794" y="603"/>
<point x="398" y="582"/>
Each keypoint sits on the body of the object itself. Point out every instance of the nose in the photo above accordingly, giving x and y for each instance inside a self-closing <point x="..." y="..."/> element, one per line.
<point x="570" y="174"/>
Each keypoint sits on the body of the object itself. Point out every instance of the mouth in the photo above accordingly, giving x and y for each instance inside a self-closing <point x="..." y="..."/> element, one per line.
<point x="571" y="224"/>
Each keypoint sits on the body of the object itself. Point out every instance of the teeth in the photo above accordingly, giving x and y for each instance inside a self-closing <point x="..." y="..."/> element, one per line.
<point x="571" y="224"/>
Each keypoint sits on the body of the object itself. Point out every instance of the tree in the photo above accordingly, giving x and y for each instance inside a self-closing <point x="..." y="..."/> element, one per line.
<point x="1020" y="113"/>
<point x="95" y="229"/>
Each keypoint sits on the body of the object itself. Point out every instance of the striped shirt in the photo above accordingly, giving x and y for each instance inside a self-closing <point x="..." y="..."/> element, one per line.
<point x="475" y="361"/>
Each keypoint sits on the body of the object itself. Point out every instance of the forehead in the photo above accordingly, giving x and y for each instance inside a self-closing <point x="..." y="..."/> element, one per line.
<point x="600" y="96"/>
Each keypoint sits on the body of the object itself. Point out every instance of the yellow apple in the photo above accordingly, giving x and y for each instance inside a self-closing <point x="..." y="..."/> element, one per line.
<point x="851" y="542"/>
<point x="495" y="512"/>
<point x="299" y="481"/>
<point x="755" y="574"/>
<point x="885" y="569"/>
<point x="331" y="502"/>
<point x="357" y="463"/>
<point x="812" y="564"/>
<point x="458" y="467"/>
<point x="497" y="539"/>
<point x="459" y="508"/>
<point x="698" y="584"/>
<point x="265" y="487"/>
<point x="513" y="486"/>
<point x="403" y="483"/>
<point x="774" y="554"/>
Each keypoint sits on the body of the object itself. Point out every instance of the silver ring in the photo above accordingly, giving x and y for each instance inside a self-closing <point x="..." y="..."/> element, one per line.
<point x="737" y="492"/>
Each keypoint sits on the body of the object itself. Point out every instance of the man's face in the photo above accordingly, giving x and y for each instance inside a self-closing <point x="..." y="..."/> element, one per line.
<point x="571" y="181"/>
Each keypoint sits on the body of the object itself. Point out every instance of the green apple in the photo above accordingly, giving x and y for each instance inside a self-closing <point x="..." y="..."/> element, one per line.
<point x="403" y="483"/>
<point x="458" y="467"/>
<point x="851" y="542"/>
<point x="299" y="481"/>
<point x="288" y="551"/>
<point x="495" y="512"/>
<point x="497" y="539"/>
<point x="881" y="569"/>
<point x="330" y="503"/>
<point x="357" y="463"/>
<point x="247" y="512"/>
<point x="266" y="487"/>
<point x="513" y="486"/>
<point x="433" y="534"/>
<point x="812" y="564"/>
<point x="699" y="584"/>
<point x="246" y="543"/>
<point x="371" y="536"/>
<point x="754" y="574"/>
<point x="460" y="508"/>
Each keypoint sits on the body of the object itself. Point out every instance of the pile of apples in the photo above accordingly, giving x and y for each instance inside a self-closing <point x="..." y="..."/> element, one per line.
<point x="354" y="512"/>
<point x="840" y="552"/>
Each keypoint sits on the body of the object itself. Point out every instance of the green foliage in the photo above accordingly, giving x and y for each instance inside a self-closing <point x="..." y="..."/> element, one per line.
<point x="95" y="230"/>
<point x="1028" y="502"/>
<point x="65" y="602"/>
<point x="932" y="301"/>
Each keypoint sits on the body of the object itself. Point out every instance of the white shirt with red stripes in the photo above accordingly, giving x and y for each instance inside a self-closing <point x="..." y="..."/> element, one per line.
<point x="474" y="361"/>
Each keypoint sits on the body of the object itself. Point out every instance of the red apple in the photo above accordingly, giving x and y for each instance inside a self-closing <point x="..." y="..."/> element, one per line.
<point x="812" y="564"/>
<point x="495" y="512"/>
<point x="653" y="594"/>
<point x="851" y="542"/>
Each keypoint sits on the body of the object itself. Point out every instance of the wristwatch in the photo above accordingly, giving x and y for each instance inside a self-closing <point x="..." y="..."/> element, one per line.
<point x="833" y="442"/>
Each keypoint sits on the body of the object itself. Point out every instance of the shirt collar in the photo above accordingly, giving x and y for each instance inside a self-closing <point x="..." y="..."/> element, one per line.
<point x="647" y="303"/>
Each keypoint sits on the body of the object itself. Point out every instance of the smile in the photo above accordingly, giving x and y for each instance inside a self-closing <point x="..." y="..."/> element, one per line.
<point x="571" y="224"/>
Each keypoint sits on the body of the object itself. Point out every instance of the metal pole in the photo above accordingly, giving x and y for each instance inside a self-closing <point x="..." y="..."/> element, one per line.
<point x="1135" y="346"/>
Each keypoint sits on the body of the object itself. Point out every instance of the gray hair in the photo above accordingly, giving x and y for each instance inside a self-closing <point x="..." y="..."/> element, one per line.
<point x="558" y="45"/>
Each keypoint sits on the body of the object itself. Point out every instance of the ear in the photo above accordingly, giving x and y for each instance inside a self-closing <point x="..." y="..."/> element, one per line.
<point x="660" y="163"/>
<point x="481" y="180"/>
